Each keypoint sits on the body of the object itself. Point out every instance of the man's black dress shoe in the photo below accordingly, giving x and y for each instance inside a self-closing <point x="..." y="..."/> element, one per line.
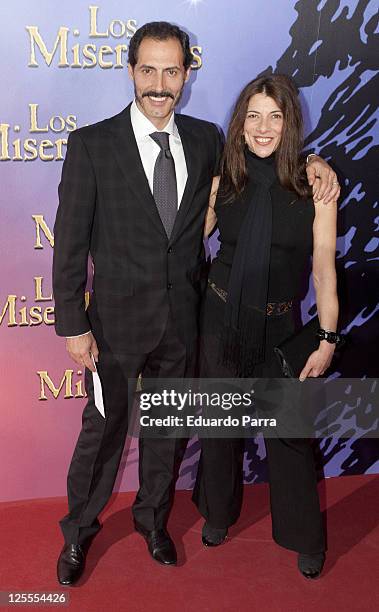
<point x="212" y="536"/>
<point x="71" y="563"/>
<point x="311" y="565"/>
<point x="159" y="544"/>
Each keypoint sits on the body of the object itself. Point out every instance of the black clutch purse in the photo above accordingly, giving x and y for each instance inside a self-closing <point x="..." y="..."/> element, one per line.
<point x="294" y="351"/>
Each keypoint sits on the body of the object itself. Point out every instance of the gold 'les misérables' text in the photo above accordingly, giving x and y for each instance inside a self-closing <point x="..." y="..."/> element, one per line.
<point x="71" y="54"/>
<point x="37" y="147"/>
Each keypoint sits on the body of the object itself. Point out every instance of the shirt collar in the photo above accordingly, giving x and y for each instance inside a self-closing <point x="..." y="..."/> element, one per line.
<point x="142" y="127"/>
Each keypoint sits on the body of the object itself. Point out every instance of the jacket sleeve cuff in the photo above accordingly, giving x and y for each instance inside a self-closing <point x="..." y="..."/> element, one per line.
<point x="79" y="335"/>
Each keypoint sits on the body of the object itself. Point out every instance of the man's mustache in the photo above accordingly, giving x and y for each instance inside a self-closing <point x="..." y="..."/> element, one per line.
<point x="158" y="94"/>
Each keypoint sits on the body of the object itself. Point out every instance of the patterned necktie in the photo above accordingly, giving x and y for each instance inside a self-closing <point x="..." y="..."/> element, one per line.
<point x="164" y="187"/>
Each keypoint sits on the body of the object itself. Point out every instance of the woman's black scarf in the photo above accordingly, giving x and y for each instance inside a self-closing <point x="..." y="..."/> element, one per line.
<point x="244" y="332"/>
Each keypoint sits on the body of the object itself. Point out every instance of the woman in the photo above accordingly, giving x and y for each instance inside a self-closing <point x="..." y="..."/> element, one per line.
<point x="269" y="226"/>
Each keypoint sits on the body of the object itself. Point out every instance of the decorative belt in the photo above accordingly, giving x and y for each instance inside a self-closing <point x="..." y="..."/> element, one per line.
<point x="272" y="308"/>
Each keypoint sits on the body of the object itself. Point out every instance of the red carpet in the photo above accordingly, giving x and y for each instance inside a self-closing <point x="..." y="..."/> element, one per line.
<point x="248" y="573"/>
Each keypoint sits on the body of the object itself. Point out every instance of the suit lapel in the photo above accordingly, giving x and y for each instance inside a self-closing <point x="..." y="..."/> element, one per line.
<point x="127" y="155"/>
<point x="191" y="147"/>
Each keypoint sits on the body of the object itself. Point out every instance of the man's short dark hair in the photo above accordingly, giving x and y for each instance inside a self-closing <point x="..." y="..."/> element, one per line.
<point x="160" y="30"/>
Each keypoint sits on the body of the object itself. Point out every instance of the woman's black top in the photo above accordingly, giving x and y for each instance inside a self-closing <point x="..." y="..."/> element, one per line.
<point x="291" y="243"/>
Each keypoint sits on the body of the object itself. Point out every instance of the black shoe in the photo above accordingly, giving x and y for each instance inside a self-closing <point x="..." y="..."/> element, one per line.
<point x="71" y="563"/>
<point x="311" y="565"/>
<point x="159" y="544"/>
<point x="212" y="536"/>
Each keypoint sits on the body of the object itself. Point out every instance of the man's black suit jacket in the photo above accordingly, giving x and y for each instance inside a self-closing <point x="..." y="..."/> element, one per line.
<point x="106" y="209"/>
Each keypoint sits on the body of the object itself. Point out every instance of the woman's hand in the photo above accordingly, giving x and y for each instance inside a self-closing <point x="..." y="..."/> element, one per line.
<point x="318" y="361"/>
<point x="323" y="179"/>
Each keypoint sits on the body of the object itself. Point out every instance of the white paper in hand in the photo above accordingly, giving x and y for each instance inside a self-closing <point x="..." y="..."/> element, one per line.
<point x="98" y="392"/>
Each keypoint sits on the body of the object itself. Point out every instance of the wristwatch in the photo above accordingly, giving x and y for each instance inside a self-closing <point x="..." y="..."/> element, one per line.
<point x="309" y="156"/>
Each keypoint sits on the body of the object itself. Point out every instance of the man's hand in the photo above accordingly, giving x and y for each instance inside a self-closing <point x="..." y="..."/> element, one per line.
<point x="81" y="350"/>
<point x="323" y="180"/>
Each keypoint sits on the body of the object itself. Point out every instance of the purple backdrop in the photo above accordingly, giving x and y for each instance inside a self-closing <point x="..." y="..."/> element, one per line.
<point x="64" y="66"/>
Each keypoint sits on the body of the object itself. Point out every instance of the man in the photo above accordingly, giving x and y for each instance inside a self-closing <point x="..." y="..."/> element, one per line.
<point x="133" y="194"/>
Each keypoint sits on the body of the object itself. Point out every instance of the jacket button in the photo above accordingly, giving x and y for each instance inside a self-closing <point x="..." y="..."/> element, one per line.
<point x="169" y="250"/>
<point x="169" y="286"/>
